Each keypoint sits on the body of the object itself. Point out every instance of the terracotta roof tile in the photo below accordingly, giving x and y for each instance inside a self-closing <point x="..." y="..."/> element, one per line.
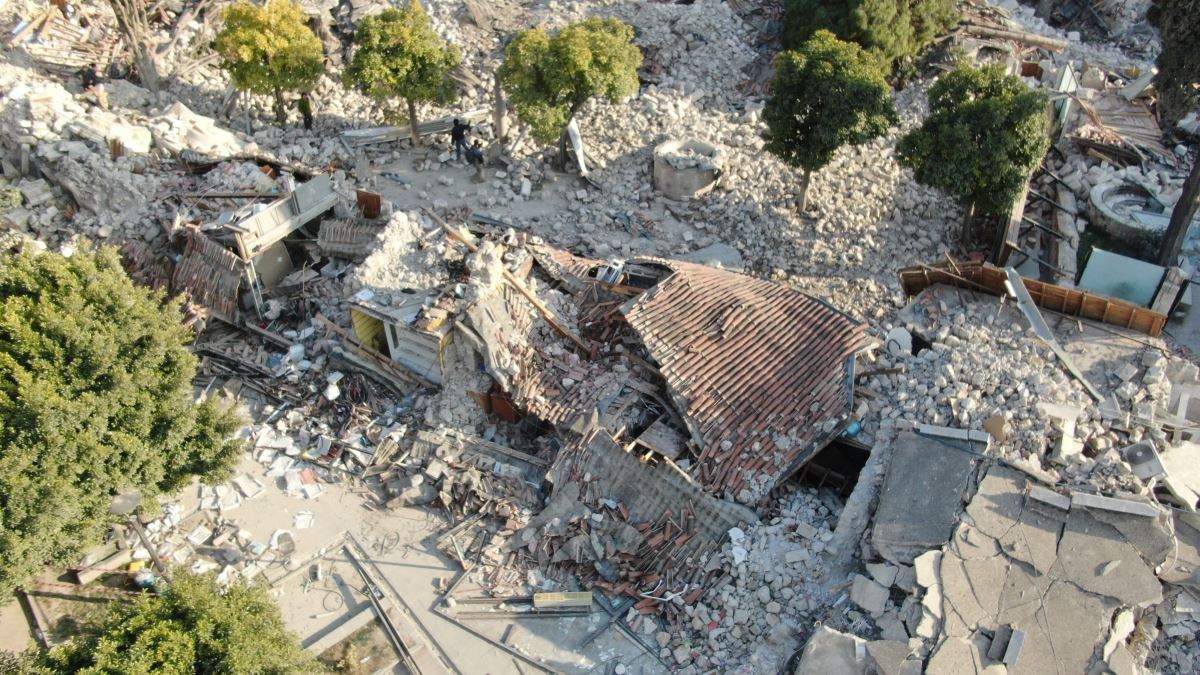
<point x="750" y="363"/>
<point x="211" y="275"/>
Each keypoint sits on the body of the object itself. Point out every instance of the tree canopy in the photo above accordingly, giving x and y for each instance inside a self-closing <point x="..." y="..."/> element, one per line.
<point x="891" y="30"/>
<point x="1178" y="80"/>
<point x="986" y="132"/>
<point x="96" y="398"/>
<point x="192" y="627"/>
<point x="399" y="55"/>
<point x="826" y="94"/>
<point x="549" y="78"/>
<point x="269" y="49"/>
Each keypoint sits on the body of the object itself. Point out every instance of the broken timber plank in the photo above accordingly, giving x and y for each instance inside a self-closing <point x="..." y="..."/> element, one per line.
<point x="1053" y="44"/>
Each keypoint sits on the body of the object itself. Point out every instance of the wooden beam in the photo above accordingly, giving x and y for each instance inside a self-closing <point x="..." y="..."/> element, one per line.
<point x="516" y="283"/>
<point x="1052" y="44"/>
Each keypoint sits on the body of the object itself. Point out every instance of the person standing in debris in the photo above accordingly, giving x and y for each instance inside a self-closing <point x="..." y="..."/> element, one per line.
<point x="90" y="79"/>
<point x="305" y="106"/>
<point x="458" y="135"/>
<point x="475" y="159"/>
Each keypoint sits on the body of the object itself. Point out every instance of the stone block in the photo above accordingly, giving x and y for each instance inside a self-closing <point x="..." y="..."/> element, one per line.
<point x="868" y="594"/>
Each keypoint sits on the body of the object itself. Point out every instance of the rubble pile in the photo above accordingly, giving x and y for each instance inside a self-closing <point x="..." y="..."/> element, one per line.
<point x="985" y="368"/>
<point x="1148" y="43"/>
<point x="777" y="583"/>
<point x="704" y="49"/>
<point x="753" y="208"/>
<point x="407" y="255"/>
<point x="1176" y="649"/>
<point x="599" y="416"/>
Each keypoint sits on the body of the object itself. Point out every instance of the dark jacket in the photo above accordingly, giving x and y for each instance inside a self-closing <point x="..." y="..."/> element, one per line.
<point x="89" y="77"/>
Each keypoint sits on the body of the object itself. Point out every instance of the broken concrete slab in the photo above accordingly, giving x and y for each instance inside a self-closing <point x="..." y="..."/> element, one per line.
<point x="906" y="578"/>
<point x="1130" y="506"/>
<point x="969" y="542"/>
<point x="1086" y="555"/>
<point x="928" y="567"/>
<point x="1150" y="537"/>
<point x="1034" y="539"/>
<point x="868" y="594"/>
<point x="999" y="509"/>
<point x="892" y="657"/>
<point x="921" y="496"/>
<point x="1050" y="497"/>
<point x="883" y="573"/>
<point x="962" y="656"/>
<point x="971" y="591"/>
<point x="1062" y="623"/>
<point x="998" y="502"/>
<point x="1183" y="568"/>
<point x="891" y="627"/>
<point x="830" y="652"/>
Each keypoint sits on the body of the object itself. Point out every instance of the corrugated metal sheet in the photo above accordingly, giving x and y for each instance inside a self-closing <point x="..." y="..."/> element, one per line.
<point x="346" y="238"/>
<point x="210" y="274"/>
<point x="761" y="372"/>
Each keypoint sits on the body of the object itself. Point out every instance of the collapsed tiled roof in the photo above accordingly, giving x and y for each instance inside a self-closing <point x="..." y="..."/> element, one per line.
<point x="762" y="373"/>
<point x="210" y="274"/>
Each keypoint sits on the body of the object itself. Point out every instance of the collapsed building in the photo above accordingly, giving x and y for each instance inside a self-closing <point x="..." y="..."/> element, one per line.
<point x="630" y="425"/>
<point x="737" y="381"/>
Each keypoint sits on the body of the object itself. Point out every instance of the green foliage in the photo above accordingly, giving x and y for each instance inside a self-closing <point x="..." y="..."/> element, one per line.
<point x="10" y="198"/>
<point x="1178" y="80"/>
<point x="191" y="628"/>
<point x="891" y="30"/>
<point x="986" y="133"/>
<point x="95" y="394"/>
<point x="826" y="94"/>
<point x="399" y="55"/>
<point x="549" y="78"/>
<point x="266" y="49"/>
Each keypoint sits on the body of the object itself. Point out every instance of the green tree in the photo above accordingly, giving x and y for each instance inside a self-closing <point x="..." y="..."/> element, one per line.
<point x="986" y="133"/>
<point x="192" y="627"/>
<point x="1178" y="85"/>
<point x="1178" y="79"/>
<point x="894" y="31"/>
<point x="399" y="55"/>
<point x="269" y="50"/>
<point x="96" y="398"/>
<point x="549" y="78"/>
<point x="825" y="94"/>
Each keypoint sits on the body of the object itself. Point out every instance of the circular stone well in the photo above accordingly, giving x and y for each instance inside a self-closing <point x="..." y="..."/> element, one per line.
<point x="1129" y="213"/>
<point x="687" y="169"/>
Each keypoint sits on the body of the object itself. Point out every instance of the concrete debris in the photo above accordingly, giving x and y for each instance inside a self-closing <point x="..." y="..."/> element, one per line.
<point x="921" y="495"/>
<point x="830" y="651"/>
<point x="648" y="392"/>
<point x="869" y="595"/>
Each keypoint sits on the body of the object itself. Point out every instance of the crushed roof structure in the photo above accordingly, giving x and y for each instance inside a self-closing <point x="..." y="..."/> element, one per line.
<point x="762" y="373"/>
<point x="741" y="380"/>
